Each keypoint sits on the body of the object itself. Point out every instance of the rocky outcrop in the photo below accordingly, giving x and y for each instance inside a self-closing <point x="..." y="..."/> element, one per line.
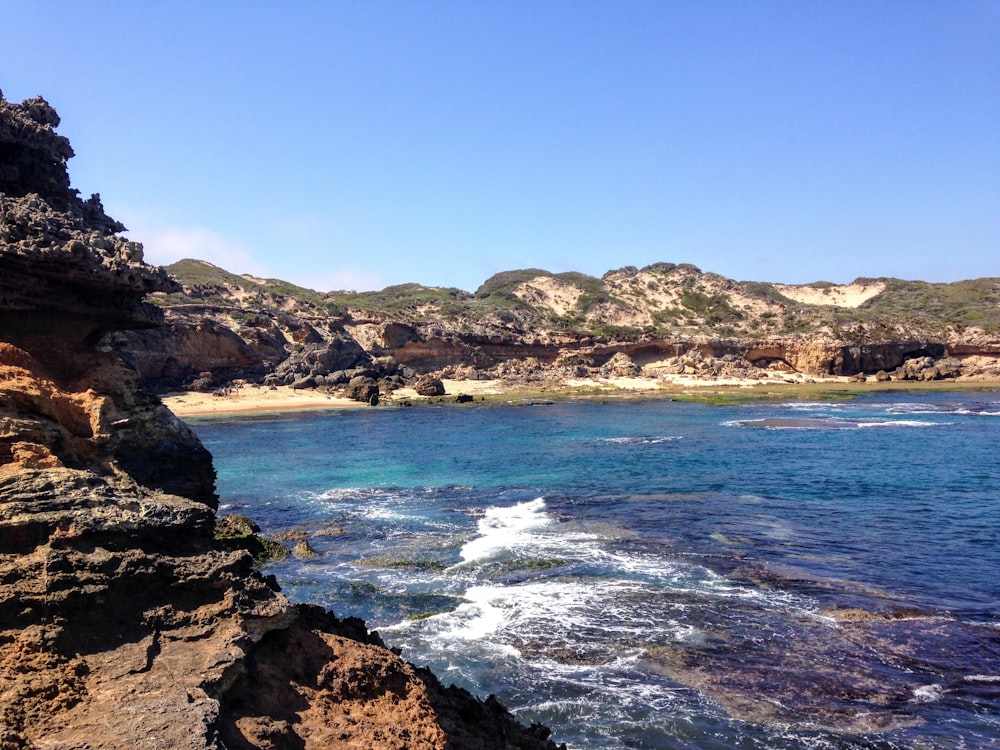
<point x="181" y="352"/>
<point x="124" y="622"/>
<point x="338" y="353"/>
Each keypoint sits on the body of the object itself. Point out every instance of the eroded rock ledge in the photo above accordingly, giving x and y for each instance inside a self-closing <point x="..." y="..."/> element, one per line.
<point x="123" y="623"/>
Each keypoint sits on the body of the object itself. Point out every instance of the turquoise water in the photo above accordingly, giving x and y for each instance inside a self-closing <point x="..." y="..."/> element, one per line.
<point x="660" y="574"/>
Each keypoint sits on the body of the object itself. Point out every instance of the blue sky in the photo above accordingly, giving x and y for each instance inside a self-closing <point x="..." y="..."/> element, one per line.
<point x="353" y="145"/>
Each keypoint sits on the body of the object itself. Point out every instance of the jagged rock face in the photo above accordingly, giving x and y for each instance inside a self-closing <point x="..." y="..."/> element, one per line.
<point x="181" y="351"/>
<point x="337" y="353"/>
<point x="123" y="622"/>
<point x="106" y="499"/>
<point x="32" y="155"/>
<point x="67" y="280"/>
<point x="99" y="421"/>
<point x="120" y="621"/>
<point x="62" y="254"/>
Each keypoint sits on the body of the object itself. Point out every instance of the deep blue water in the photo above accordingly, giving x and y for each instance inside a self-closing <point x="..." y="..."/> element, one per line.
<point x="660" y="574"/>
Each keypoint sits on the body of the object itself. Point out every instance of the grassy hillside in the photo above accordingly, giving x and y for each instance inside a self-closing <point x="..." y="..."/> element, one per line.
<point x="663" y="300"/>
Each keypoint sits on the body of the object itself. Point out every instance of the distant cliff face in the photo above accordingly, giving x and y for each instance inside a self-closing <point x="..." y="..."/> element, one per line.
<point x="123" y="622"/>
<point x="530" y="325"/>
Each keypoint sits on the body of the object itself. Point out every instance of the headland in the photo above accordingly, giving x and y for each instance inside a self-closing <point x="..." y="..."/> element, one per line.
<point x="127" y="618"/>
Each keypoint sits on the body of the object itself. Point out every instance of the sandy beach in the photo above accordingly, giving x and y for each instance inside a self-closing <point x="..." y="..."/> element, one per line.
<point x="251" y="399"/>
<point x="262" y="399"/>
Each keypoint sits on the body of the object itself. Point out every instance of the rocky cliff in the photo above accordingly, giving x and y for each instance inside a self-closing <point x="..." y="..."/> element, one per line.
<point x="533" y="326"/>
<point x="124" y="622"/>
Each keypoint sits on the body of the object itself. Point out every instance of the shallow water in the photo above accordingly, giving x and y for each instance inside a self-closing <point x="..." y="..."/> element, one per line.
<point x="661" y="574"/>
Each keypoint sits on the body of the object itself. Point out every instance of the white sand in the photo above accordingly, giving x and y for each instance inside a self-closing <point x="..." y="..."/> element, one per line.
<point x="848" y="295"/>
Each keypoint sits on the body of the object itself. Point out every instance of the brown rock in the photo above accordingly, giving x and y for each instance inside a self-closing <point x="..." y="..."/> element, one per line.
<point x="303" y="550"/>
<point x="361" y="388"/>
<point x="429" y="385"/>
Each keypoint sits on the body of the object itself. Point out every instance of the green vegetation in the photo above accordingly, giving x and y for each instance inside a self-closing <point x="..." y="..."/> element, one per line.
<point x="966" y="303"/>
<point x="200" y="273"/>
<point x="764" y="291"/>
<point x="405" y="300"/>
<point x="507" y="281"/>
<point x="210" y="284"/>
<point x="713" y="308"/>
<point x="910" y="308"/>
<point x="236" y="531"/>
<point x="615" y="332"/>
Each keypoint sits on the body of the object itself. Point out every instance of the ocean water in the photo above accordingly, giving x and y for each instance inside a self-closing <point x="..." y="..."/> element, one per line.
<point x="660" y="574"/>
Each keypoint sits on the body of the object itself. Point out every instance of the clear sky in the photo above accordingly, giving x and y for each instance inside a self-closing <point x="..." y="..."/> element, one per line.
<point x="352" y="145"/>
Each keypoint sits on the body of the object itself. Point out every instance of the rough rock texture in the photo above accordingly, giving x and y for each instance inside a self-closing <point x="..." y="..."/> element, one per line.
<point x="124" y="622"/>
<point x="428" y="385"/>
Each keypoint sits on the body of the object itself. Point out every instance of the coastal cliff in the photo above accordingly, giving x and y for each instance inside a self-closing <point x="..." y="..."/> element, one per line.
<point x="532" y="328"/>
<point x="124" y="622"/>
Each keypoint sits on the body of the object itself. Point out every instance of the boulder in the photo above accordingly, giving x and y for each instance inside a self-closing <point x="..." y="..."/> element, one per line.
<point x="361" y="388"/>
<point x="307" y="382"/>
<point x="620" y="366"/>
<point x="235" y="524"/>
<point x="303" y="550"/>
<point x="339" y="353"/>
<point x="429" y="385"/>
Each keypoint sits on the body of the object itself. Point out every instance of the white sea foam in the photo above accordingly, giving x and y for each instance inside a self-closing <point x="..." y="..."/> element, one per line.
<point x="506" y="528"/>
<point x="982" y="678"/>
<point x="478" y="618"/>
<point x="900" y="423"/>
<point x="644" y="440"/>
<point x="342" y="494"/>
<point x="828" y="423"/>
<point x="986" y="410"/>
<point x="810" y="406"/>
<point x="927" y="693"/>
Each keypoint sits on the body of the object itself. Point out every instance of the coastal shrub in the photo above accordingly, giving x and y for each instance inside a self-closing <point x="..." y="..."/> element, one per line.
<point x="662" y="268"/>
<point x="612" y="331"/>
<point x="666" y="317"/>
<point x="924" y="303"/>
<point x="714" y="308"/>
<point x="588" y="300"/>
<point x="571" y="322"/>
<point x="404" y="299"/>
<point x="764" y="291"/>
<point x="626" y="271"/>
<point x="509" y="280"/>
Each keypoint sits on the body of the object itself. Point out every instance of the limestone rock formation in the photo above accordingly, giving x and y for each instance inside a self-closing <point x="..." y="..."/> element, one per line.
<point x="536" y="328"/>
<point x="124" y="622"/>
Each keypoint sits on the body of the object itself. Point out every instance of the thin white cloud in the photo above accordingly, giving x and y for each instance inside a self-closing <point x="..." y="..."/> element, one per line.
<point x="170" y="244"/>
<point x="163" y="245"/>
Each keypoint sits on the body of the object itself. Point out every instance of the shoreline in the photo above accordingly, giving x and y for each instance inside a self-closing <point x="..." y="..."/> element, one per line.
<point x="257" y="399"/>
